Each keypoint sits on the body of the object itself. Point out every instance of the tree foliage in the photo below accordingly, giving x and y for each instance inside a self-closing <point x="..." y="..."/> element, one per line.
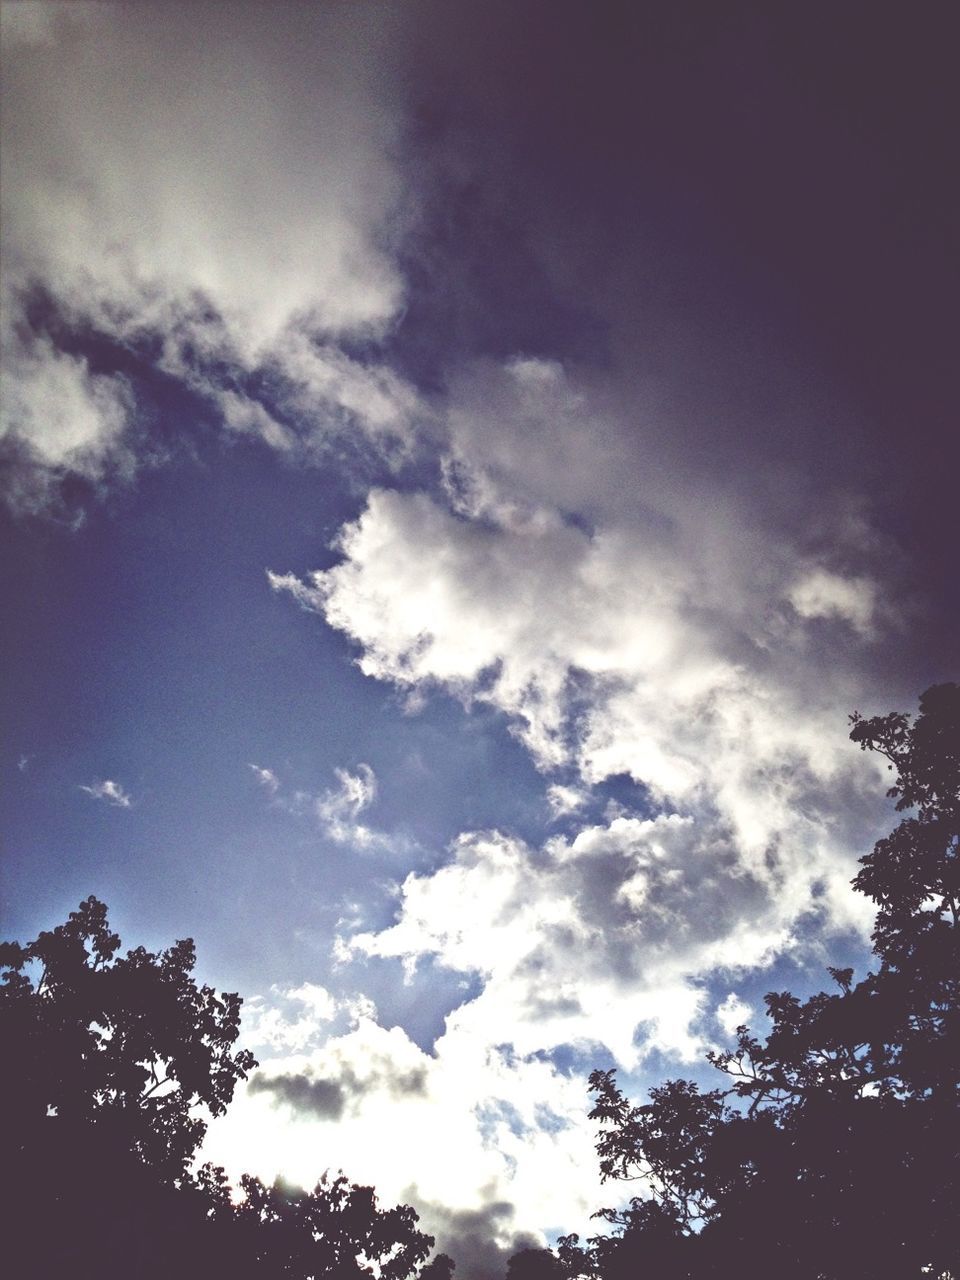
<point x="110" y="1063"/>
<point x="831" y="1151"/>
<point x="128" y="1046"/>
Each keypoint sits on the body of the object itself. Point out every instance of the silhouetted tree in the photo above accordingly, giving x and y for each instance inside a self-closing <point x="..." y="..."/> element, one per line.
<point x="534" y="1264"/>
<point x="107" y="1062"/>
<point x="833" y="1151"/>
<point x="440" y="1267"/>
<point x="126" y="1046"/>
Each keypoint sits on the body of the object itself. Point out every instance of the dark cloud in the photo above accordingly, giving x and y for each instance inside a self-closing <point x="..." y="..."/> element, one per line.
<point x="322" y="1098"/>
<point x="327" y="1097"/>
<point x="744" y="207"/>
<point x="471" y="1236"/>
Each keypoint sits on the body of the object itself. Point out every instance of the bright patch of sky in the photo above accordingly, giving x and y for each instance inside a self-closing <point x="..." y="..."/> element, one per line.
<point x="455" y="489"/>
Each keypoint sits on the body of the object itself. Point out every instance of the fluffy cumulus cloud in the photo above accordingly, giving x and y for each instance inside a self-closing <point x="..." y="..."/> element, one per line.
<point x="213" y="181"/>
<point x="482" y="1141"/>
<point x="645" y="639"/>
<point x="597" y="945"/>
<point x="626" y="618"/>
<point x="601" y="939"/>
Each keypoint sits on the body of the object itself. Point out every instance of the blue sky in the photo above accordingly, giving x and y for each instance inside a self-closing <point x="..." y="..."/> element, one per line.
<point x="461" y="466"/>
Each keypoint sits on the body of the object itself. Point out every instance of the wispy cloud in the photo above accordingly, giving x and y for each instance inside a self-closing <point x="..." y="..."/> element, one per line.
<point x="266" y="777"/>
<point x="339" y="808"/>
<point x="336" y="810"/>
<point x="110" y="792"/>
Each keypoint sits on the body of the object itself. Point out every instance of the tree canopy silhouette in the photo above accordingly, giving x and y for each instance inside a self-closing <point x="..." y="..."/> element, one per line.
<point x="108" y="1064"/>
<point x="832" y="1152"/>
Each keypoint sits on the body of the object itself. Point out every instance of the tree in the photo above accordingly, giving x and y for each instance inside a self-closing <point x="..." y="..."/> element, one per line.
<point x="128" y="1046"/>
<point x="336" y="1230"/>
<point x="109" y="1064"/>
<point x="833" y="1150"/>
<point x="534" y="1264"/>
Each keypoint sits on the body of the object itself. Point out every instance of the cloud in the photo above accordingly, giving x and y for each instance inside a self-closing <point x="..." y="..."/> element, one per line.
<point x="317" y="394"/>
<point x="599" y="945"/>
<point x="480" y="1241"/>
<point x="822" y="594"/>
<point x="667" y="631"/>
<point x="339" y="809"/>
<point x="626" y="617"/>
<point x="564" y="800"/>
<point x="322" y="1098"/>
<point x="327" y="1097"/>
<point x="732" y="1012"/>
<point x="636" y="598"/>
<point x="266" y="778"/>
<point x="336" y="810"/>
<point x="167" y="222"/>
<point x="603" y="939"/>
<point x="109" y="791"/>
<point x="289" y="1021"/>
<point x="256" y="244"/>
<point x="468" y="1127"/>
<point x="605" y="650"/>
<point x="652" y="629"/>
<point x="58" y="417"/>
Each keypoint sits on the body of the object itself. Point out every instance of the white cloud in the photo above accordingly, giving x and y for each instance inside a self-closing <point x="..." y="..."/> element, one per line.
<point x="339" y="809"/>
<point x="593" y="943"/>
<point x="288" y="1021"/>
<point x="732" y="1012"/>
<point x="468" y="1125"/>
<point x="605" y="650"/>
<point x="629" y="613"/>
<point x="265" y="207"/>
<point x="255" y="243"/>
<point x="328" y="391"/>
<point x="109" y="791"/>
<point x="822" y="594"/>
<point x="266" y="778"/>
<point x="336" y="810"/>
<point x="603" y="939"/>
<point x="60" y="417"/>
<point x="655" y="639"/>
<point x="596" y="945"/>
<point x="564" y="800"/>
<point x="248" y="417"/>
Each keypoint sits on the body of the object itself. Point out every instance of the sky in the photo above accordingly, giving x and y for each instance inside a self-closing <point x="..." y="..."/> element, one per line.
<point x="462" y="465"/>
